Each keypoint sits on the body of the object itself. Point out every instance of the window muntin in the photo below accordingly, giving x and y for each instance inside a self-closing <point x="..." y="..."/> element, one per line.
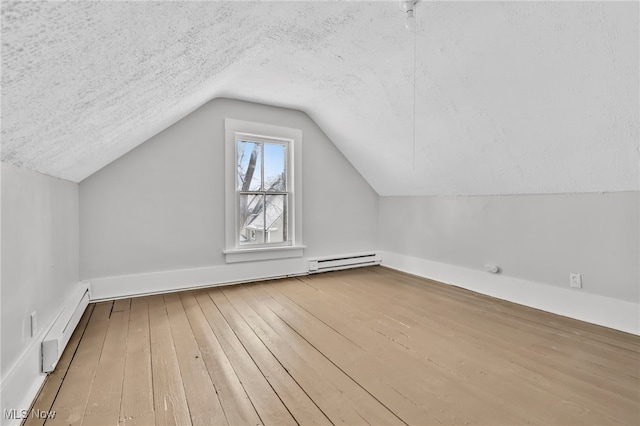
<point x="262" y="192"/>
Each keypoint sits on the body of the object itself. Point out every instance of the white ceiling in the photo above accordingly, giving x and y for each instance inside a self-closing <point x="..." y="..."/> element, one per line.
<point x="511" y="97"/>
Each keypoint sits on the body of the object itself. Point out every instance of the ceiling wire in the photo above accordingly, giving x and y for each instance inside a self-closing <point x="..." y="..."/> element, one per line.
<point x="411" y="23"/>
<point x="415" y="50"/>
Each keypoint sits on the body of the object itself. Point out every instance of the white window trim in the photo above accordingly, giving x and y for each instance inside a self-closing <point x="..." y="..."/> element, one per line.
<point x="233" y="252"/>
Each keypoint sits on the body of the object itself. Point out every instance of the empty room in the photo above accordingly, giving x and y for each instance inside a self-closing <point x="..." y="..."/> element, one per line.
<point x="320" y="212"/>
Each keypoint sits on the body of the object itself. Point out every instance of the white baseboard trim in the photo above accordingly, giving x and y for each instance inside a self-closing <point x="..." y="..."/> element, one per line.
<point x="20" y="386"/>
<point x="574" y="303"/>
<point x="185" y="279"/>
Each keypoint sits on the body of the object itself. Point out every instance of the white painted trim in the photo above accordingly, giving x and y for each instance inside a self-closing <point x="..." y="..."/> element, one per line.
<point x="118" y="287"/>
<point x="23" y="380"/>
<point x="574" y="303"/>
<point x="294" y="183"/>
<point x="263" y="253"/>
<point x="22" y="384"/>
<point x="185" y="279"/>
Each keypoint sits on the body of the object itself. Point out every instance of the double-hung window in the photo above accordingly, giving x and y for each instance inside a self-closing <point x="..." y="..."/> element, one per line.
<point x="263" y="199"/>
<point x="262" y="186"/>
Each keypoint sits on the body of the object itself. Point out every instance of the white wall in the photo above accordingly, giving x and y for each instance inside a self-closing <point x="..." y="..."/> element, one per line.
<point x="40" y="256"/>
<point x="535" y="239"/>
<point x="161" y="206"/>
<point x="153" y="221"/>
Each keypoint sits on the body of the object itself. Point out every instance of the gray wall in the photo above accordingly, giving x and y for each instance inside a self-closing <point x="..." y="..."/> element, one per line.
<point x="161" y="206"/>
<point x="540" y="238"/>
<point x="39" y="254"/>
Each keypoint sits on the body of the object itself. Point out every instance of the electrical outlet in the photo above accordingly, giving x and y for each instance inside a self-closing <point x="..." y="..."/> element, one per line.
<point x="490" y="267"/>
<point x="575" y="280"/>
<point x="34" y="325"/>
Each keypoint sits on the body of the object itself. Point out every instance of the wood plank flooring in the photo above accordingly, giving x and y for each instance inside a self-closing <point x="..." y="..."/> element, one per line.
<point x="366" y="346"/>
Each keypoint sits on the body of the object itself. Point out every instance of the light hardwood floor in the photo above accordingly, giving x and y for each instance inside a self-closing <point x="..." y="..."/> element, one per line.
<point x="366" y="346"/>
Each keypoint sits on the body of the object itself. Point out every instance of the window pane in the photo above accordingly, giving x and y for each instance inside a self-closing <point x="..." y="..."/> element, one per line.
<point x="276" y="219"/>
<point x="249" y="165"/>
<point x="275" y="167"/>
<point x="251" y="219"/>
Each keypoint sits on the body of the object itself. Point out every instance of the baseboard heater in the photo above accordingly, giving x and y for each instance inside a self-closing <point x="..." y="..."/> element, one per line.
<point x="56" y="340"/>
<point x="336" y="263"/>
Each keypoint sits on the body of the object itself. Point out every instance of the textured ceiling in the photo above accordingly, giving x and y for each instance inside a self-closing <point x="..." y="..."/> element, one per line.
<point x="511" y="97"/>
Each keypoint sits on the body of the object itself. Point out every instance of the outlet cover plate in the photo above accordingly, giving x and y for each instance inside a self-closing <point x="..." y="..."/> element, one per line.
<point x="33" y="325"/>
<point x="575" y="280"/>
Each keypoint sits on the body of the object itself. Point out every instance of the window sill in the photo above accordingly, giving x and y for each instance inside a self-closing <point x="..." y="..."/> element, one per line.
<point x="262" y="253"/>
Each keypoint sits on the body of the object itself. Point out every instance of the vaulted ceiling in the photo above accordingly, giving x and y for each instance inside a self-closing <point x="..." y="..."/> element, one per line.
<point x="510" y="97"/>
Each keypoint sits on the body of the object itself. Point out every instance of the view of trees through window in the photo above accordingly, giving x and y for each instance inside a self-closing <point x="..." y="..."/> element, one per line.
<point x="262" y="192"/>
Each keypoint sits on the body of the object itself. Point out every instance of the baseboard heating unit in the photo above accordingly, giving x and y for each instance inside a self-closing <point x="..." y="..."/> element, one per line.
<point x="336" y="263"/>
<point x="57" y="338"/>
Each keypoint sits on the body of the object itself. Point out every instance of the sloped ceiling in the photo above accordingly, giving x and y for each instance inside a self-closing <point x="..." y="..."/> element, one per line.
<point x="512" y="97"/>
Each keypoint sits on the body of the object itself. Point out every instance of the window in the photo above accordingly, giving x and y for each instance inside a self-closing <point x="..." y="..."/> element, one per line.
<point x="262" y="191"/>
<point x="263" y="200"/>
